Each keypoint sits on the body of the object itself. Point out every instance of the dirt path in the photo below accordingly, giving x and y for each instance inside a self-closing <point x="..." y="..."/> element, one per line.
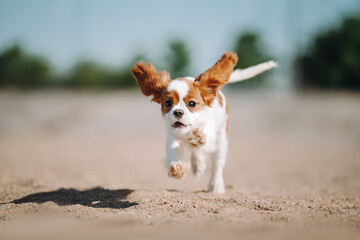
<point x="90" y="165"/>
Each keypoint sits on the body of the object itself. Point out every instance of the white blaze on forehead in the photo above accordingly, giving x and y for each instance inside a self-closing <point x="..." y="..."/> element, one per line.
<point x="181" y="87"/>
<point x="190" y="78"/>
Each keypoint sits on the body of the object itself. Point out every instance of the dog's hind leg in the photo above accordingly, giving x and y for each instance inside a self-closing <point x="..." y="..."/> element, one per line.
<point x="218" y="163"/>
<point x="198" y="162"/>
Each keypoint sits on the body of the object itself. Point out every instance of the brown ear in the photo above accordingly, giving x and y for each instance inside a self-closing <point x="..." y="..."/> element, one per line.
<point x="211" y="81"/>
<point x="150" y="81"/>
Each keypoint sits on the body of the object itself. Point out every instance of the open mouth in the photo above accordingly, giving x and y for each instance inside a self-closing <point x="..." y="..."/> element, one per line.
<point x="178" y="125"/>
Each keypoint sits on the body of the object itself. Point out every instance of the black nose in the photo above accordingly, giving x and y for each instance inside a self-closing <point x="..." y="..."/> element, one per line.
<point x="178" y="113"/>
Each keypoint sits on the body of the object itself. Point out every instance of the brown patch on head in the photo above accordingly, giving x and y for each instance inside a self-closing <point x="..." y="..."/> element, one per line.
<point x="150" y="81"/>
<point x="212" y="80"/>
<point x="172" y="96"/>
<point x="193" y="95"/>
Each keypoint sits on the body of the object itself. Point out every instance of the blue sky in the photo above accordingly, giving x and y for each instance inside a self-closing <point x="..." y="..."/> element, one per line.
<point x="112" y="31"/>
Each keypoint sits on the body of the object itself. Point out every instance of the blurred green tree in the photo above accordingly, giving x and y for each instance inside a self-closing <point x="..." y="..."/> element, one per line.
<point x="332" y="61"/>
<point x="87" y="74"/>
<point x="251" y="51"/>
<point x="92" y="75"/>
<point x="177" y="59"/>
<point x="18" y="69"/>
<point x="123" y="77"/>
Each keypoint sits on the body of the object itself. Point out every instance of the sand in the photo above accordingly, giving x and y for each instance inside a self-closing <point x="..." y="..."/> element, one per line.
<point x="83" y="165"/>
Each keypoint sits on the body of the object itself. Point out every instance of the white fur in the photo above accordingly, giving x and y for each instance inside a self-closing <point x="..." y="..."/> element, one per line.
<point x="243" y="74"/>
<point x="181" y="87"/>
<point x="211" y="121"/>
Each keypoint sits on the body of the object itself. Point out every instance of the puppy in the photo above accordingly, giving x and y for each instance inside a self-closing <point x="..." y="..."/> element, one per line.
<point x="196" y="114"/>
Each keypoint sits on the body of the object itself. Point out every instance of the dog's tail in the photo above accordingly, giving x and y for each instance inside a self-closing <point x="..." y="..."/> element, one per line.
<point x="243" y="74"/>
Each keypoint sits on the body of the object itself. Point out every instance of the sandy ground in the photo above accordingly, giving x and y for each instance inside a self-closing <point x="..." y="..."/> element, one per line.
<point x="77" y="165"/>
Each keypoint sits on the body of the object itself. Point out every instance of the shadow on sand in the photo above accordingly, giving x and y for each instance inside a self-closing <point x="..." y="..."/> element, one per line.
<point x="96" y="197"/>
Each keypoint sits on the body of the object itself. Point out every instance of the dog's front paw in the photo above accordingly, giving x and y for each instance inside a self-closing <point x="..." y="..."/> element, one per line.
<point x="178" y="169"/>
<point x="197" y="138"/>
<point x="197" y="164"/>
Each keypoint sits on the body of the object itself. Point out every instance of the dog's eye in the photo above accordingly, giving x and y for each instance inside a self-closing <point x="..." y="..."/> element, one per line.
<point x="168" y="103"/>
<point x="191" y="104"/>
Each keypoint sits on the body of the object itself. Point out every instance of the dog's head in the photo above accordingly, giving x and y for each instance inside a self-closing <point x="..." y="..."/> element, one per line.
<point x="182" y="100"/>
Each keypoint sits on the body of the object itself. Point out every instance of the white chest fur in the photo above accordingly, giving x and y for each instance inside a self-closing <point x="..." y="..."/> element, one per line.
<point x="211" y="122"/>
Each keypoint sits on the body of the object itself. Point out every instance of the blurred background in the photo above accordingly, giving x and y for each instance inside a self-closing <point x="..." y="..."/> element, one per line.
<point x="93" y="44"/>
<point x="68" y="98"/>
<point x="71" y="115"/>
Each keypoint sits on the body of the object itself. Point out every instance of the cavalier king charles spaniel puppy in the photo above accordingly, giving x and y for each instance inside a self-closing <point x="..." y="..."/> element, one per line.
<point x="196" y="114"/>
